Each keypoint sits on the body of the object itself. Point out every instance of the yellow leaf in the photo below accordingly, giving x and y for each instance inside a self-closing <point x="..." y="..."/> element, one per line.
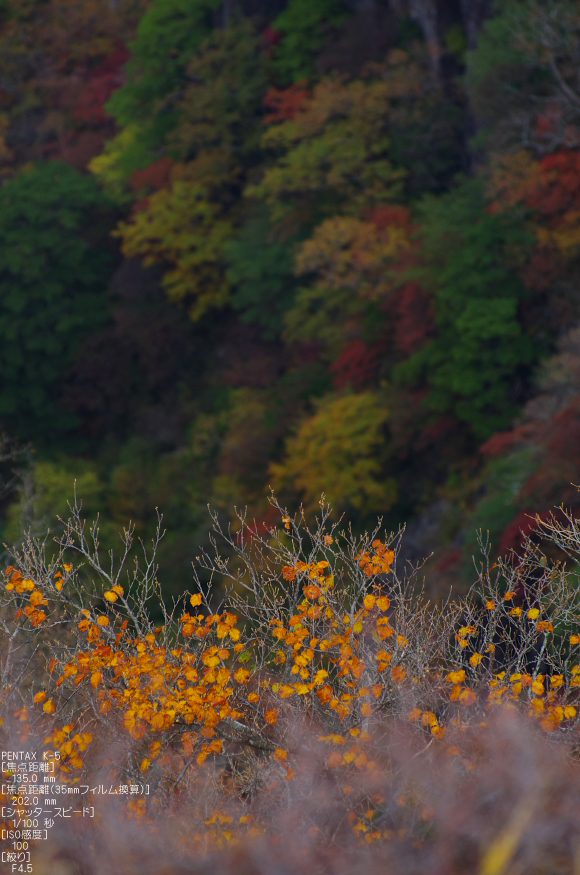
<point x="456" y="677"/>
<point x="96" y="678"/>
<point x="428" y="718"/>
<point x="533" y="613"/>
<point x="40" y="697"/>
<point x="49" y="707"/>
<point x="102" y="621"/>
<point x="302" y="689"/>
<point x="369" y="602"/>
<point x="286" y="691"/>
<point x="111" y="596"/>
<point x="497" y="858"/>
<point x="196" y="600"/>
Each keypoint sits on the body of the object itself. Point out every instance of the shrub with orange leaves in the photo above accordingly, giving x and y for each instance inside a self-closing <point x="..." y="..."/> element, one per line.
<point x="311" y="646"/>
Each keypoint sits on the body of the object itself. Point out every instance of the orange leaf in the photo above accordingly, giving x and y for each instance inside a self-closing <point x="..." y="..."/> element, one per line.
<point x="467" y="697"/>
<point x="312" y="592"/>
<point x="335" y="759"/>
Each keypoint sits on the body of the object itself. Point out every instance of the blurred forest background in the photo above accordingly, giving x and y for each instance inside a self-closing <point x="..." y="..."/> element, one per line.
<point x="314" y="245"/>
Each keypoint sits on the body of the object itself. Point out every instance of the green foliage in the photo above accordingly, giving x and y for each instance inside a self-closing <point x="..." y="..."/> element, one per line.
<point x="503" y="478"/>
<point x="221" y="108"/>
<point x="337" y="451"/>
<point x="168" y="35"/>
<point x="261" y="273"/>
<point x="525" y="65"/>
<point x="53" y="276"/>
<point x="480" y="348"/>
<point x="304" y="24"/>
<point x="49" y="487"/>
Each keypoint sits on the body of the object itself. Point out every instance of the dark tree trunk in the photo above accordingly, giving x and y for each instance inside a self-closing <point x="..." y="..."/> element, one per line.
<point x="227" y="11"/>
<point x="362" y="5"/>
<point x="425" y="13"/>
<point x="474" y="14"/>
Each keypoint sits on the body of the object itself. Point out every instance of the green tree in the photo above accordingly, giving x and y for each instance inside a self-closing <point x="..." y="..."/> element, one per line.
<point x="168" y="35"/>
<point x="304" y="25"/>
<point x="262" y="276"/>
<point x="523" y="76"/>
<point x="53" y="276"/>
<point x="481" y="350"/>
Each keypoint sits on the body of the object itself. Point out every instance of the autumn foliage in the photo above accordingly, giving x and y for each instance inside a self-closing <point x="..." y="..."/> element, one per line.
<point x="314" y="652"/>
